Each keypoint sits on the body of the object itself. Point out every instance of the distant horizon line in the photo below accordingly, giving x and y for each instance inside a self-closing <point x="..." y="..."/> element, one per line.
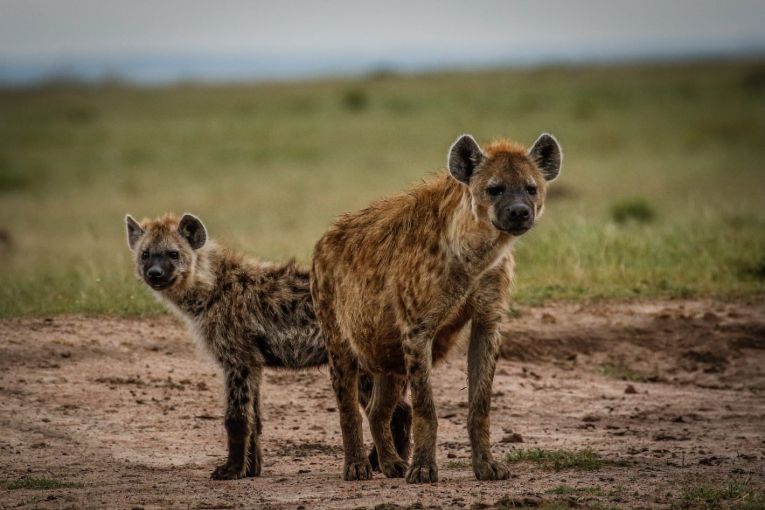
<point x="216" y="68"/>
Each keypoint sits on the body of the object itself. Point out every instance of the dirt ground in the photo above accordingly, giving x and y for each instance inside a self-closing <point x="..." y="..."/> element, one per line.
<point x="670" y="394"/>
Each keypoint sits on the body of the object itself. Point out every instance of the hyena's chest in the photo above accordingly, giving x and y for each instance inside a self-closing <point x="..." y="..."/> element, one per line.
<point x="228" y="337"/>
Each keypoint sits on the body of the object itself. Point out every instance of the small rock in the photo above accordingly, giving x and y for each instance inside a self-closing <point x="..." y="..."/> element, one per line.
<point x="710" y="317"/>
<point x="512" y="438"/>
<point x="590" y="418"/>
<point x="630" y="390"/>
<point x="548" y="318"/>
<point x="661" y="436"/>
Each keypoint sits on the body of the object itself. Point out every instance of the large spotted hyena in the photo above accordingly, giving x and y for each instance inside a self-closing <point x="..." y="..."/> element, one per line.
<point x="395" y="284"/>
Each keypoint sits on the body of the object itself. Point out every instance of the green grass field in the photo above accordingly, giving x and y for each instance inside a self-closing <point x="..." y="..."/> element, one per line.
<point x="661" y="193"/>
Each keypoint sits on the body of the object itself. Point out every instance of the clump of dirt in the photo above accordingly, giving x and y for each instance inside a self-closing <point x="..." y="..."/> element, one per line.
<point x="656" y="404"/>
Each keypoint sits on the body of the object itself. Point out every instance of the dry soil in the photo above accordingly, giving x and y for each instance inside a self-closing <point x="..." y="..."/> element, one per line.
<point x="669" y="394"/>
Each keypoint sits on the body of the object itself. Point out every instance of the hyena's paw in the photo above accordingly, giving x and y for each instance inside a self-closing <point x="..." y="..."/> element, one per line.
<point x="361" y="470"/>
<point x="228" y="472"/>
<point x="491" y="470"/>
<point x="422" y="472"/>
<point x="395" y="468"/>
<point x="256" y="462"/>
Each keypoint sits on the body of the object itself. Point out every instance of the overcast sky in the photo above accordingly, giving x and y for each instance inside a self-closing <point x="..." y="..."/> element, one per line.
<point x="385" y="31"/>
<point x="107" y="27"/>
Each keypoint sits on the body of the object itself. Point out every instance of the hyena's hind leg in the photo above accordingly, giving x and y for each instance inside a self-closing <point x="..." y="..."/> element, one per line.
<point x="400" y="423"/>
<point x="385" y="397"/>
<point x="344" y="369"/>
<point x="255" y="454"/>
<point x="401" y="427"/>
<point x="239" y="423"/>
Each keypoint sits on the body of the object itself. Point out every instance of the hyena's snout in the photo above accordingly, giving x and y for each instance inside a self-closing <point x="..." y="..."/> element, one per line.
<point x="158" y="273"/>
<point x="515" y="218"/>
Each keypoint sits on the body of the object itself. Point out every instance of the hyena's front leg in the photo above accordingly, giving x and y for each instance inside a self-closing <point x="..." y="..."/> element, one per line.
<point x="482" y="360"/>
<point x="239" y="423"/>
<point x="418" y="358"/>
<point x="255" y="453"/>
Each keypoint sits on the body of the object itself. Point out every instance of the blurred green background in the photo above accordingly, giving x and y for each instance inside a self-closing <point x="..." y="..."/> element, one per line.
<point x="661" y="193"/>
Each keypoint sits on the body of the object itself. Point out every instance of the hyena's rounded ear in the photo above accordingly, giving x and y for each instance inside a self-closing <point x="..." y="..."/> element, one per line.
<point x="548" y="156"/>
<point x="191" y="228"/>
<point x="134" y="231"/>
<point x="464" y="157"/>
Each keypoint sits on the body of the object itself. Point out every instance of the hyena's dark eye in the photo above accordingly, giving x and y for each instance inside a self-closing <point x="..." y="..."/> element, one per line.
<point x="495" y="191"/>
<point x="173" y="254"/>
<point x="145" y="255"/>
<point x="531" y="190"/>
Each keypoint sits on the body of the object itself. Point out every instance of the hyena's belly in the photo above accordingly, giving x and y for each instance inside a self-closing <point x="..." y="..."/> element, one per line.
<point x="377" y="343"/>
<point x="379" y="350"/>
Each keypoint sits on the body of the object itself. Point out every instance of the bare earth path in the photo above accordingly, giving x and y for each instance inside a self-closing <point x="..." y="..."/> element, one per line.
<point x="129" y="411"/>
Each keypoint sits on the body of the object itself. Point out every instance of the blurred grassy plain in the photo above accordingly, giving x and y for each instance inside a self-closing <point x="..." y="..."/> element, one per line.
<point x="268" y="166"/>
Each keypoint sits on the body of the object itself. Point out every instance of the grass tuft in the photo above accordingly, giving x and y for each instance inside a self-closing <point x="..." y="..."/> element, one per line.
<point x="753" y="270"/>
<point x="568" y="490"/>
<point x="457" y="464"/>
<point x="634" y="210"/>
<point x="624" y="373"/>
<point x="39" y="484"/>
<point x="355" y="100"/>
<point x="741" y="494"/>
<point x="557" y="460"/>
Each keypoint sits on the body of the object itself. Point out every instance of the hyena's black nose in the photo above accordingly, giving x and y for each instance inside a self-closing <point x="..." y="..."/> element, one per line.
<point x="515" y="218"/>
<point x="519" y="212"/>
<point x="155" y="273"/>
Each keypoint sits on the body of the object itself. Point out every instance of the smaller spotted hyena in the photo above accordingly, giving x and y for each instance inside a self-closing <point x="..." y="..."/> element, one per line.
<point x="248" y="314"/>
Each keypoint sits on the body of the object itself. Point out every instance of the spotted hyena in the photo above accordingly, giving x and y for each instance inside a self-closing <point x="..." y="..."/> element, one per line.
<point x="249" y="314"/>
<point x="395" y="285"/>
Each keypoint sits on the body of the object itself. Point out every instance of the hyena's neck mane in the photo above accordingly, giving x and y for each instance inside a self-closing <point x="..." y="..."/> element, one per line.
<point x="465" y="229"/>
<point x="193" y="296"/>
